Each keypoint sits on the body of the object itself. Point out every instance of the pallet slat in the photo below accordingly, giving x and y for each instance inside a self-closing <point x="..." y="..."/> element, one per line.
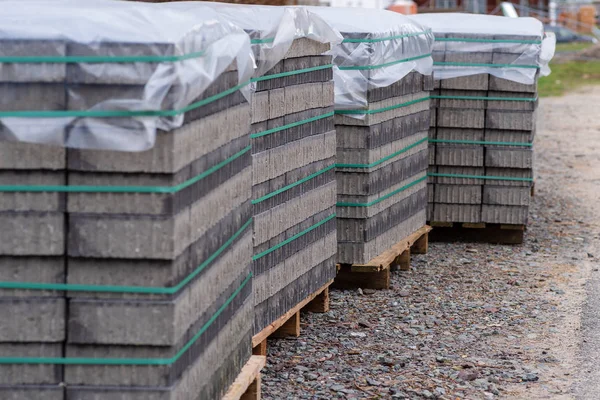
<point x="247" y="384"/>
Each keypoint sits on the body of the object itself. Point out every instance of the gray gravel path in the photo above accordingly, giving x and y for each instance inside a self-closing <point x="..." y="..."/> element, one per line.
<point x="473" y="321"/>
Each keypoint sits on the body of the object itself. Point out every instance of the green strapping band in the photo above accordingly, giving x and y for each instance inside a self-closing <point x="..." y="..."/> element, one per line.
<point x="291" y="185"/>
<point x="292" y="125"/>
<point x="383" y="39"/>
<point x="371" y="203"/>
<point x="262" y="41"/>
<point x="481" y="142"/>
<point x="119" y="113"/>
<point x="460" y="64"/>
<point x="496" y="178"/>
<point x="368" y="67"/>
<point x="384" y="109"/>
<point x="128" y="361"/>
<point x="384" y="159"/>
<point x="290" y="73"/>
<point x="473" y="40"/>
<point x="491" y="98"/>
<point x="124" y="189"/>
<point x="97" y="59"/>
<point x="127" y="289"/>
<point x="296" y="236"/>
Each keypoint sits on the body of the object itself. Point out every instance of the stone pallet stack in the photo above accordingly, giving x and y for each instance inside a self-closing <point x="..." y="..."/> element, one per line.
<point x="159" y="243"/>
<point x="381" y="173"/>
<point x="482" y="126"/>
<point x="294" y="188"/>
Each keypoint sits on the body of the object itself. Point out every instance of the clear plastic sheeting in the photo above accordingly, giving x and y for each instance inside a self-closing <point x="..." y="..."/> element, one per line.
<point x="379" y="48"/>
<point x="107" y="75"/>
<point x="510" y="48"/>
<point x="272" y="29"/>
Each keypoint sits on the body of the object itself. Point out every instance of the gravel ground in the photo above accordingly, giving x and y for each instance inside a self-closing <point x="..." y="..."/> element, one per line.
<point x="470" y="321"/>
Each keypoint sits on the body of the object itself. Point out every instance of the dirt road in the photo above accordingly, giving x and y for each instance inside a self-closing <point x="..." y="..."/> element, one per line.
<point x="477" y="321"/>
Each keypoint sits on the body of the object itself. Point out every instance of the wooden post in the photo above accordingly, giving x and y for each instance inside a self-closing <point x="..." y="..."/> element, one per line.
<point x="291" y="327"/>
<point x="348" y="279"/>
<point x="404" y="260"/>
<point x="253" y="391"/>
<point x="319" y="304"/>
<point x="261" y="349"/>
<point x="421" y="246"/>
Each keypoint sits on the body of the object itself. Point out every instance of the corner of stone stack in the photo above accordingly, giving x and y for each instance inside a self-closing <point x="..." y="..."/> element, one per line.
<point x="382" y="169"/>
<point x="475" y="197"/>
<point x="33" y="229"/>
<point x="293" y="186"/>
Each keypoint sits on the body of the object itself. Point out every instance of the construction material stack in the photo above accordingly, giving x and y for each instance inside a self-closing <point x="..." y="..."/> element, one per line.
<point x="382" y="83"/>
<point x="484" y="116"/>
<point x="132" y="254"/>
<point x="293" y="156"/>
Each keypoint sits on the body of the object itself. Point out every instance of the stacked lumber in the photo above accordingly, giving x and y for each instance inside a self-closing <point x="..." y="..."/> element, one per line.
<point x="127" y="272"/>
<point x="483" y="117"/>
<point x="382" y="119"/>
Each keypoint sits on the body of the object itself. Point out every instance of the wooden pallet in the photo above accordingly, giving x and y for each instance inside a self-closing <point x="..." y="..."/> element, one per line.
<point x="477" y="232"/>
<point x="289" y="323"/>
<point x="247" y="384"/>
<point x="376" y="273"/>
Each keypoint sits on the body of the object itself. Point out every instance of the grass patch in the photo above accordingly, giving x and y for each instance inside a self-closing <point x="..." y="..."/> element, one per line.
<point x="568" y="76"/>
<point x="572" y="46"/>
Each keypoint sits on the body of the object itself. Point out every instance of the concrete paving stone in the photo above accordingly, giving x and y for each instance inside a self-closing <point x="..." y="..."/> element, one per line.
<point x="32" y="233"/>
<point x="370" y="156"/>
<point x="460" y="118"/>
<point x="32" y="319"/>
<point x="468" y="47"/>
<point x="360" y="253"/>
<point x="511" y="105"/>
<point x="497" y="135"/>
<point x="459" y="155"/>
<point x="32" y="201"/>
<point x="433" y="116"/>
<point x="460" y="170"/>
<point x="459" y="134"/>
<point x="495" y="214"/>
<point x="508" y="157"/>
<point x="457" y="213"/>
<point x="528" y="58"/>
<point x="431" y="149"/>
<point x="29" y="156"/>
<point x="476" y="82"/>
<point x="430" y="192"/>
<point x="29" y="73"/>
<point x="32" y="392"/>
<point x="156" y="237"/>
<point x="231" y="330"/>
<point x="158" y="322"/>
<point x="502" y="195"/>
<point x="511" y="120"/>
<point x="508" y="173"/>
<point x="306" y="47"/>
<point x="462" y="104"/>
<point x="31" y="269"/>
<point x="173" y="150"/>
<point x="458" y="194"/>
<point x="32" y="97"/>
<point x="261" y="104"/>
<point x="514" y="48"/>
<point x="506" y="85"/>
<point x="30" y="374"/>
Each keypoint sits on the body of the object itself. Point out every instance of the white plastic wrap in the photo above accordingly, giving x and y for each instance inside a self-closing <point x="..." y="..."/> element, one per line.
<point x="272" y="29"/>
<point x="157" y="60"/>
<point x="516" y="47"/>
<point x="379" y="48"/>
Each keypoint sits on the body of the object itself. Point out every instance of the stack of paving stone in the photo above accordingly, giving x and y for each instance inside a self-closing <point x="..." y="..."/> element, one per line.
<point x="155" y="247"/>
<point x="483" y="118"/>
<point x="293" y="156"/>
<point x="382" y="119"/>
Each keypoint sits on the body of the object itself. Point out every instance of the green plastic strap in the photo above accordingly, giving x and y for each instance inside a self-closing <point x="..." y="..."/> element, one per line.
<point x="119" y="113"/>
<point x="489" y="98"/>
<point x="384" y="159"/>
<point x="127" y="289"/>
<point x="290" y="73"/>
<point x="124" y="189"/>
<point x="460" y="64"/>
<point x="128" y="361"/>
<point x="97" y="59"/>
<point x="262" y="41"/>
<point x="496" y="178"/>
<point x="481" y="142"/>
<point x="292" y="125"/>
<point x="296" y="236"/>
<point x="369" y="67"/>
<point x="383" y="39"/>
<point x="473" y="40"/>
<point x="291" y="185"/>
<point x="403" y="188"/>
<point x="384" y="109"/>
